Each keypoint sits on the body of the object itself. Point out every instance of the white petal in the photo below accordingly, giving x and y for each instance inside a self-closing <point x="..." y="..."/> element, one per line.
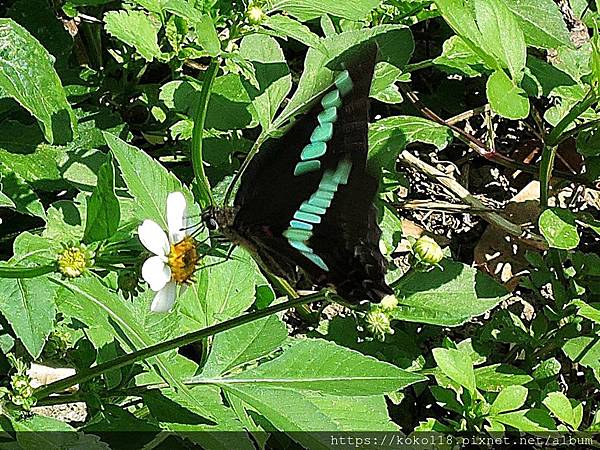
<point x="164" y="299"/>
<point x="154" y="238"/>
<point x="156" y="273"/>
<point x="176" y="216"/>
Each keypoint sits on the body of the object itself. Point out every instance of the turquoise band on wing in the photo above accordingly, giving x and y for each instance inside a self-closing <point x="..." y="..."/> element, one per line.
<point x="306" y="166"/>
<point x="323" y="133"/>
<point x="311" y="212"/>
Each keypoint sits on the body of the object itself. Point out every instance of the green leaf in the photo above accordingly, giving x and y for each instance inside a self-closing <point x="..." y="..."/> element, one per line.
<point x="527" y="420"/>
<point x="508" y="399"/>
<point x="147" y="181"/>
<point x="107" y="317"/>
<point x="560" y="406"/>
<point x="506" y="98"/>
<point x="176" y="414"/>
<point x="103" y="211"/>
<point x="52" y="434"/>
<point x="584" y="350"/>
<point x="449" y="296"/>
<point x="286" y="26"/>
<point x="459" y="14"/>
<point x="272" y="73"/>
<point x="587" y="311"/>
<point x="229" y="106"/>
<point x="207" y="35"/>
<point x="458" y="57"/>
<point x="5" y="200"/>
<point x="496" y="22"/>
<point x="457" y="366"/>
<point x="20" y="193"/>
<point x="27" y="75"/>
<point x="29" y="306"/>
<point x="559" y="228"/>
<point x="224" y="289"/>
<point x="542" y="23"/>
<point x="39" y="18"/>
<point x="383" y="87"/>
<point x="389" y="136"/>
<point x="303" y="411"/>
<point x="304" y="10"/>
<point x="244" y="344"/>
<point x="324" y="367"/>
<point x="134" y="28"/>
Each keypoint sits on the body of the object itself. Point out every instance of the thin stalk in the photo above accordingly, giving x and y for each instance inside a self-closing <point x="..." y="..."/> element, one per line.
<point x="418" y="66"/>
<point x="546" y="167"/>
<point x="26" y="272"/>
<point x="554" y="136"/>
<point x="205" y="195"/>
<point x="153" y="350"/>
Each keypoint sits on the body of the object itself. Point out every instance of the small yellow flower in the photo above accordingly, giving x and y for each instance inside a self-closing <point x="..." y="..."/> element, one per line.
<point x="74" y="260"/>
<point x="175" y="256"/>
<point x="427" y="250"/>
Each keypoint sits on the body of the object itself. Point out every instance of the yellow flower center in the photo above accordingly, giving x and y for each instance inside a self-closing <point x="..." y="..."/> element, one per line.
<point x="183" y="258"/>
<point x="73" y="261"/>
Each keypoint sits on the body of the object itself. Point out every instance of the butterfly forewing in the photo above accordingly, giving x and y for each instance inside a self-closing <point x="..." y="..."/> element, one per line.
<point x="307" y="200"/>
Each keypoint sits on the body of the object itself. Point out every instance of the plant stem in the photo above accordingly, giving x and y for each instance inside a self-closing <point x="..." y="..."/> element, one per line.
<point x="26" y="272"/>
<point x="546" y="167"/>
<point x="180" y="341"/>
<point x="419" y="65"/>
<point x="204" y="195"/>
<point x="554" y="136"/>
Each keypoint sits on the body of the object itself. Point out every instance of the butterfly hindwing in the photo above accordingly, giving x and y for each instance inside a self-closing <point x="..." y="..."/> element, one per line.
<point x="307" y="200"/>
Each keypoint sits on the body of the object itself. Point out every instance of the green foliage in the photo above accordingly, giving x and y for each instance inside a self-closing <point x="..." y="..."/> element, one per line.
<point x="98" y="126"/>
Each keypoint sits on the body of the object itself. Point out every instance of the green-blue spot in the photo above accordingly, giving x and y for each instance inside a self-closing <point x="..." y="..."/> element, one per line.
<point x="317" y="260"/>
<point x="328" y="183"/>
<point x="320" y="202"/>
<point x="299" y="225"/>
<point x="310" y="208"/>
<point x="307" y="217"/>
<point x="328" y="115"/>
<point x="342" y="172"/>
<point x="313" y="150"/>
<point x="322" y="133"/>
<point x="297" y="235"/>
<point x="344" y="82"/>
<point x="306" y="166"/>
<point x="324" y="194"/>
<point x="332" y="98"/>
<point x="301" y="246"/>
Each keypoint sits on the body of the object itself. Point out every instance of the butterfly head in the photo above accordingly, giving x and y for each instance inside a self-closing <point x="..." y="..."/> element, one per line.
<point x="209" y="219"/>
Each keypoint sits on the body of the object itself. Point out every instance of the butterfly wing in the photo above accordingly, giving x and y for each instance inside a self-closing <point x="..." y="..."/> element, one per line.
<point x="307" y="200"/>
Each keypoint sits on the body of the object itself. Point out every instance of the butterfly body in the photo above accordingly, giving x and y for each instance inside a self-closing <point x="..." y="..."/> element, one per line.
<point x="306" y="200"/>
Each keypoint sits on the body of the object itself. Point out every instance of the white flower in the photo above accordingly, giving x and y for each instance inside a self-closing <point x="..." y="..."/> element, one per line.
<point x="175" y="255"/>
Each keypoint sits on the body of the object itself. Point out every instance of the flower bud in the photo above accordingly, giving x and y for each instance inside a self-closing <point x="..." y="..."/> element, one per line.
<point x="427" y="250"/>
<point x="388" y="302"/>
<point x="255" y="15"/>
<point x="378" y="324"/>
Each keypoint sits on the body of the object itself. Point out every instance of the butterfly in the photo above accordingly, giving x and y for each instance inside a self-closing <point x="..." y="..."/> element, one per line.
<point x="306" y="200"/>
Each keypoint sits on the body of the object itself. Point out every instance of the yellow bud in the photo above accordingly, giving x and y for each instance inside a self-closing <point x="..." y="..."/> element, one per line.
<point x="427" y="250"/>
<point x="255" y="15"/>
<point x="388" y="302"/>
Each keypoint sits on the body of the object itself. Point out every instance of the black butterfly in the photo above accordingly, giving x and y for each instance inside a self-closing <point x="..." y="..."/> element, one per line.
<point x="306" y="200"/>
